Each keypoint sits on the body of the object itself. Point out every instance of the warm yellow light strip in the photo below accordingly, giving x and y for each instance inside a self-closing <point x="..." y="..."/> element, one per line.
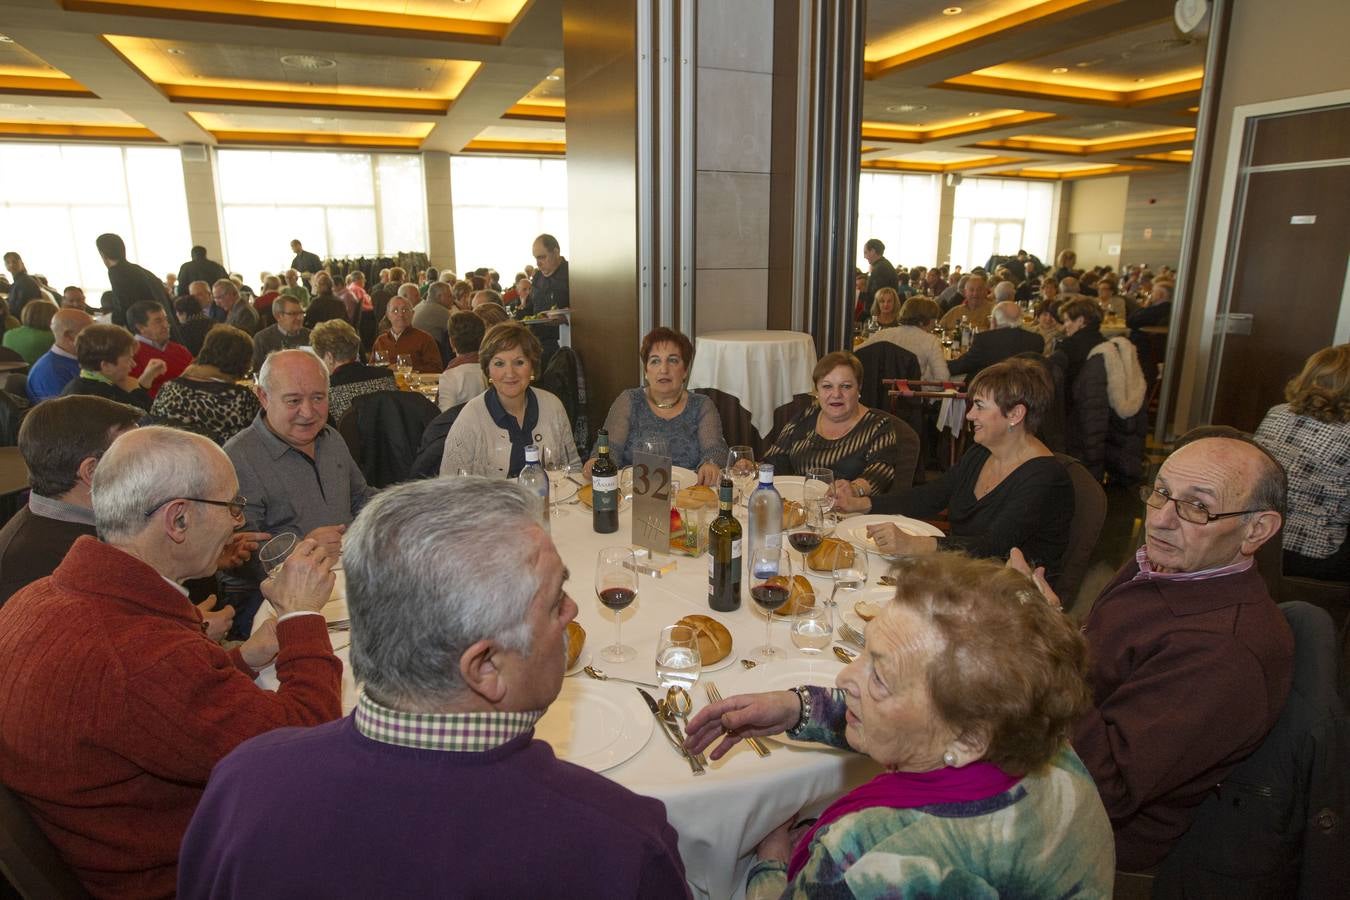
<point x="882" y="131"/>
<point x="322" y="100"/>
<point x="1172" y="156"/>
<point x="551" y="148"/>
<point x="32" y="72"/>
<point x="914" y="166"/>
<point x="26" y="84"/>
<point x="537" y="112"/>
<point x="947" y="34"/>
<point x="335" y="19"/>
<point x="317" y="139"/>
<point x="1045" y="90"/>
<point x="73" y="130"/>
<point x="1067" y="176"/>
<point x="1079" y="78"/>
<point x="224" y="123"/>
<point x="1081" y="147"/>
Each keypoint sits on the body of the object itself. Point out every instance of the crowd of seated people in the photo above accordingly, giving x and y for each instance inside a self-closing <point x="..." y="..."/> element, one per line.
<point x="1021" y="757"/>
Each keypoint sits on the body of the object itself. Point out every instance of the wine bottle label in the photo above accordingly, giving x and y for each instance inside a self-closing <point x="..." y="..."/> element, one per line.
<point x="605" y="483"/>
<point x="736" y="550"/>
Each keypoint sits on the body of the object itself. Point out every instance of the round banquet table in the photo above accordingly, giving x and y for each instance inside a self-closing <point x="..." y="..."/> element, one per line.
<point x="721" y="816"/>
<point x="762" y="369"/>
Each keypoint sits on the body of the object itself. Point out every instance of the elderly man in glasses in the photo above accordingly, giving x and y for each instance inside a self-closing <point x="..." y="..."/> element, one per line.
<point x="1191" y="658"/>
<point x="115" y="704"/>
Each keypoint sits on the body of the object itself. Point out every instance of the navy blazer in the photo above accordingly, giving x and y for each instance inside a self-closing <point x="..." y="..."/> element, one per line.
<point x="994" y="346"/>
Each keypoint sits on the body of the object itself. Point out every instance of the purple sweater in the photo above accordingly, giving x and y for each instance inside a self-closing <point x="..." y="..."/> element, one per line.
<point x="327" y="812"/>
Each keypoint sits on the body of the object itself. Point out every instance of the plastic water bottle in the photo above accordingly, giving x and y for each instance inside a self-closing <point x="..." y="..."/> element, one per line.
<point x="764" y="515"/>
<point x="533" y="479"/>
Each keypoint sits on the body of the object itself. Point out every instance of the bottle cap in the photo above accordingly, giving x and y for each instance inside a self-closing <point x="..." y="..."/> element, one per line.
<point x="765" y="473"/>
<point x="531" y="454"/>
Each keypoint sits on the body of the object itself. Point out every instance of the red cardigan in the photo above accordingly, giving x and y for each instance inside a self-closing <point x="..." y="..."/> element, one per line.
<point x="176" y="357"/>
<point x="114" y="708"/>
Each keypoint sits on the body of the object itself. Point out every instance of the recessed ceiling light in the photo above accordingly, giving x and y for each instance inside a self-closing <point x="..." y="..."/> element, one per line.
<point x="974" y="114"/>
<point x="906" y="107"/>
<point x="320" y="121"/>
<point x="553" y="78"/>
<point x="952" y="11"/>
<point x="1059" y="70"/>
<point x="6" y="39"/>
<point x="307" y="61"/>
<point x="175" y="51"/>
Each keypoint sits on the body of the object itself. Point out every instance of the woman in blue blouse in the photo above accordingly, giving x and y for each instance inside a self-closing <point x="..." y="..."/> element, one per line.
<point x="662" y="409"/>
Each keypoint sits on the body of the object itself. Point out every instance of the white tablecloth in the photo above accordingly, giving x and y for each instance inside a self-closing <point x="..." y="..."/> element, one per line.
<point x="763" y="369"/>
<point x="720" y="816"/>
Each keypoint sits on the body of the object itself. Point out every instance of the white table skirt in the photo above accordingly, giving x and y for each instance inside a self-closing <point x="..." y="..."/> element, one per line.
<point x="721" y="816"/>
<point x="763" y="369"/>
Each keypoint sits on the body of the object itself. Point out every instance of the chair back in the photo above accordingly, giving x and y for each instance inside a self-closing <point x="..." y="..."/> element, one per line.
<point x="9" y="354"/>
<point x="1276" y="826"/>
<point x="27" y="859"/>
<point x="15" y="383"/>
<point x="383" y="431"/>
<point x="563" y="378"/>
<point x="908" y="460"/>
<point x="432" y="447"/>
<point x="736" y="425"/>
<point x="882" y="362"/>
<point x="781" y="417"/>
<point x="1089" y="513"/>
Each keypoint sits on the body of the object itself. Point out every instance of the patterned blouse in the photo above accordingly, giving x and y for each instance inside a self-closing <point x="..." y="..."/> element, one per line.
<point x="1316" y="457"/>
<point x="867" y="451"/>
<point x="1047" y="836"/>
<point x="694" y="436"/>
<point x="214" y="409"/>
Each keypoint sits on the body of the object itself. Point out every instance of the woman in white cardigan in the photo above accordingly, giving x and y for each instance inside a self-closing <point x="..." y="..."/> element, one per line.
<point x="493" y="429"/>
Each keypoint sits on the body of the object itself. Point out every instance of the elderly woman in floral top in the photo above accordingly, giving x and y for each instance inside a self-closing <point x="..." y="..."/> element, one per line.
<point x="965" y="695"/>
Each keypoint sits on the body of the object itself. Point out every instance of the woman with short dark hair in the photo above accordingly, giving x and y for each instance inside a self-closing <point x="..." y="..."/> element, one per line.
<point x="966" y="696"/>
<point x="1082" y="320"/>
<point x="1008" y="491"/>
<point x="207" y="399"/>
<point x="107" y="354"/>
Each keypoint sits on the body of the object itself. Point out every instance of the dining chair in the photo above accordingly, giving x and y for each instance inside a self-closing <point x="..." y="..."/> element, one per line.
<point x="1089" y="514"/>
<point x="27" y="858"/>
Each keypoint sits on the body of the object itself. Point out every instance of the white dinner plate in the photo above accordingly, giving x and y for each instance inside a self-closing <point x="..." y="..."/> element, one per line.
<point x="596" y="725"/>
<point x="876" y="594"/>
<point x="724" y="661"/>
<point x="781" y="676"/>
<point x="854" y="530"/>
<point x="567" y="489"/>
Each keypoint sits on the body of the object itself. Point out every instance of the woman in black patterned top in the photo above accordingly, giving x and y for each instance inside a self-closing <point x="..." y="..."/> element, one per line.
<point x="207" y="398"/>
<point x="838" y="432"/>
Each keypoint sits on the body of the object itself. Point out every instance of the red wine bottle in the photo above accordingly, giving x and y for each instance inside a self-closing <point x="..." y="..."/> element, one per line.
<point x="724" y="555"/>
<point x="604" y="489"/>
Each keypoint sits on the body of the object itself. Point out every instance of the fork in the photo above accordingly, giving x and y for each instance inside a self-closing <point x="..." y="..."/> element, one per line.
<point x="716" y="697"/>
<point x="850" y="634"/>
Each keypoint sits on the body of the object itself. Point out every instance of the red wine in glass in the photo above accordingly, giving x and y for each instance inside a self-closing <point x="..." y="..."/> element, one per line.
<point x="617" y="598"/>
<point x="805" y="541"/>
<point x="769" y="595"/>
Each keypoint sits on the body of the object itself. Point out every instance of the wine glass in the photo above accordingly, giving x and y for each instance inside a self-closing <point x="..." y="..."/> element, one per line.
<point x="678" y="659"/>
<point x="403" y="365"/>
<point x="555" y="467"/>
<point x="818" y="489"/>
<point x="273" y="553"/>
<point x="850" y="575"/>
<point x="379" y="358"/>
<point x="771" y="572"/>
<point x="741" y="469"/>
<point x="813" y="628"/>
<point x="616" y="586"/>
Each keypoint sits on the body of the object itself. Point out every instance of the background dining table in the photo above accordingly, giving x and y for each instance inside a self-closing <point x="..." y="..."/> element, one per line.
<point x="762" y="369"/>
<point x="721" y="816"/>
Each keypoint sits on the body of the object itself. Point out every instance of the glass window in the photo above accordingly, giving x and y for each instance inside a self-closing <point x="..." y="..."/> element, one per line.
<point x="55" y="199"/>
<point x="902" y="212"/>
<point x="999" y="216"/>
<point x="336" y="204"/>
<point x="501" y="205"/>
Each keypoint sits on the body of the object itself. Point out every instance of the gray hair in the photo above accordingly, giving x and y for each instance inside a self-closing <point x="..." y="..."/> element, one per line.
<point x="1068" y="285"/>
<point x="265" y="373"/>
<point x="408" y="291"/>
<point x="439" y="292"/>
<point x="1004" y="290"/>
<point x="144" y="469"/>
<point x="432" y="567"/>
<point x="1007" y="314"/>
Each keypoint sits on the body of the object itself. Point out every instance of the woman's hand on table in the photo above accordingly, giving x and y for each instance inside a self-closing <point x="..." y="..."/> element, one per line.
<point x="305" y="582"/>
<point x="153" y="369"/>
<point x="1019" y="562"/>
<point x="742" y="716"/>
<point x="709" y="473"/>
<point x="261" y="647"/>
<point x="240" y="548"/>
<point x="217" y="621"/>
<point x="848" y="500"/>
<point x="891" y="541"/>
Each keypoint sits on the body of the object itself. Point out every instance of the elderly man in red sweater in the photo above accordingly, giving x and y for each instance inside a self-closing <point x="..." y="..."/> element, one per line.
<point x="114" y="706"/>
<point x="150" y="326"/>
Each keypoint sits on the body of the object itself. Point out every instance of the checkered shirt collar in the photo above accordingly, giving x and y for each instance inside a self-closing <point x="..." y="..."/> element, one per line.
<point x="454" y="732"/>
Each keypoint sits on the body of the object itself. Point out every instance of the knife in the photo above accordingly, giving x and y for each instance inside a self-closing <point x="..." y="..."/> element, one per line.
<point x="671" y="732"/>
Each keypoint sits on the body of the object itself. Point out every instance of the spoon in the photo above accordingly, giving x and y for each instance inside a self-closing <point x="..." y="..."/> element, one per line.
<point x="845" y="656"/>
<point x="601" y="676"/>
<point x="887" y="581"/>
<point x="749" y="663"/>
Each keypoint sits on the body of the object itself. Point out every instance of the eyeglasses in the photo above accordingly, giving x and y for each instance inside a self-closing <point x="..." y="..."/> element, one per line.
<point x="1187" y="510"/>
<point x="235" y="505"/>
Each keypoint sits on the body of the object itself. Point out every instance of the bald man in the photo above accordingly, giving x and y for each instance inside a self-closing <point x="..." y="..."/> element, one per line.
<point x="1191" y="660"/>
<point x="1004" y="341"/>
<point x="55" y="368"/>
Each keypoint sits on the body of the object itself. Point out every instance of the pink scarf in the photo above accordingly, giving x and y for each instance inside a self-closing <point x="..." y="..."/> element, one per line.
<point x="907" y="790"/>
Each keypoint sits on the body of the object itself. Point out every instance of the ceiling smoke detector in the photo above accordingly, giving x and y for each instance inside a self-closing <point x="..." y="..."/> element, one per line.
<point x="307" y="61"/>
<point x="175" y="51"/>
<point x="952" y="11"/>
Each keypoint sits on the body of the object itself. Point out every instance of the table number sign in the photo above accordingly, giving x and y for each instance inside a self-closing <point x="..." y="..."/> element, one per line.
<point x="651" y="501"/>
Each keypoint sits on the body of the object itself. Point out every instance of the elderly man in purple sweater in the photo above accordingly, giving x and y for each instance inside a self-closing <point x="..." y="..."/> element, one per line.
<point x="435" y="785"/>
<point x="1191" y="658"/>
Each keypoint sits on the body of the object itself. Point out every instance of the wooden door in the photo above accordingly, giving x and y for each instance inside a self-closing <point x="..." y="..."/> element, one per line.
<point x="1289" y="277"/>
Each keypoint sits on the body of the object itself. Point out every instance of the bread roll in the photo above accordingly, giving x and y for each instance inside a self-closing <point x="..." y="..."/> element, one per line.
<point x="584" y="495"/>
<point x="831" y="554"/>
<point x="696" y="497"/>
<point x="793" y="514"/>
<point x="714" y="641"/>
<point x="576" y="639"/>
<point x="867" y="610"/>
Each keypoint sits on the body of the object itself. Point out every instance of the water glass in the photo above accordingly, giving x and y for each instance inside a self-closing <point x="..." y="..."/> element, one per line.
<point x="273" y="553"/>
<point x="616" y="587"/>
<point x="813" y="629"/>
<point x="850" y="576"/>
<point x="555" y="467"/>
<point x="678" y="659"/>
<point x="379" y="358"/>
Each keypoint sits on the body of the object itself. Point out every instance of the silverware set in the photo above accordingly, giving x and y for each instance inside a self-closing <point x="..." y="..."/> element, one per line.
<point x="715" y="696"/>
<point x="671" y="729"/>
<point x="598" y="675"/>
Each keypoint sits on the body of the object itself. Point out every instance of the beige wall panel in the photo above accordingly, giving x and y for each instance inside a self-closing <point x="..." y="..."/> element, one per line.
<point x="731" y="299"/>
<point x="734" y="118"/>
<point x="735" y="34"/>
<point x="733" y="220"/>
